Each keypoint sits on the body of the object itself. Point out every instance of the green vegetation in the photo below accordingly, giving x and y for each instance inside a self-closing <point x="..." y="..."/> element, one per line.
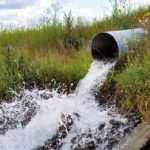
<point x="72" y="34"/>
<point x="133" y="82"/>
<point x="60" y="51"/>
<point x="133" y="79"/>
<point x="22" y="66"/>
<point x="129" y="83"/>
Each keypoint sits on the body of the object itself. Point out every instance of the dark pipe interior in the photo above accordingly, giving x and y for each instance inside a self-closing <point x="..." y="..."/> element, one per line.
<point x="104" y="46"/>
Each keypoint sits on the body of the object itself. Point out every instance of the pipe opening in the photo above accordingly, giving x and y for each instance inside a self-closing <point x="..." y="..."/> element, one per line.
<point x="104" y="46"/>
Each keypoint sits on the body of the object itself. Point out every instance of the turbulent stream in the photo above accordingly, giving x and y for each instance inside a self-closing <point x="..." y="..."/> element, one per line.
<point x="47" y="119"/>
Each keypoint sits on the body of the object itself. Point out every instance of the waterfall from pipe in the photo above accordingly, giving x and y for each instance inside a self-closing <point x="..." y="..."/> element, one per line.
<point x="37" y="116"/>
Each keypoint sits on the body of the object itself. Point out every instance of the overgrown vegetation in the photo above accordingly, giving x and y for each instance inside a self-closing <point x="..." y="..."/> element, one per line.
<point x="131" y="79"/>
<point x="133" y="82"/>
<point x="60" y="50"/>
<point x="129" y="83"/>
<point x="40" y="68"/>
<point x="71" y="34"/>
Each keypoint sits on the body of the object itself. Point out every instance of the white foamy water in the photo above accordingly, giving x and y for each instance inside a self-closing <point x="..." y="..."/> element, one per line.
<point x="34" y="117"/>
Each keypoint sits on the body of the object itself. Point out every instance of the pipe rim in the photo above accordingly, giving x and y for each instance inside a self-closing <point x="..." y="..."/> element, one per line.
<point x="104" y="46"/>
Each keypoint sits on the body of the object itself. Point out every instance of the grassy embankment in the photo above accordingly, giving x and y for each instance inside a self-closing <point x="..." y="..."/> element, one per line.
<point x="61" y="51"/>
<point x="131" y="80"/>
<point x="129" y="84"/>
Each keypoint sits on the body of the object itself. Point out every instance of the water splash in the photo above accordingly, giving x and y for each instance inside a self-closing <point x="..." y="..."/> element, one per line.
<point x="35" y="116"/>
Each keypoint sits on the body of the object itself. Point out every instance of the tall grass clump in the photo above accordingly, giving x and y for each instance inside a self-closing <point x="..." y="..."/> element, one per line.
<point x="123" y="14"/>
<point x="29" y="69"/>
<point x="63" y="68"/>
<point x="71" y="33"/>
<point x="129" y="83"/>
<point x="133" y="83"/>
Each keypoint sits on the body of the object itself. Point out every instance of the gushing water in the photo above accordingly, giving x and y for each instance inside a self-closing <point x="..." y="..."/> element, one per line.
<point x="75" y="120"/>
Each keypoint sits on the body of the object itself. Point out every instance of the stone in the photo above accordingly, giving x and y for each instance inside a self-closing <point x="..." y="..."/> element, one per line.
<point x="91" y="145"/>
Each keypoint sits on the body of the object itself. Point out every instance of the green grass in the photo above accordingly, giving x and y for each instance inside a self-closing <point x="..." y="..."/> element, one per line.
<point x="133" y="82"/>
<point x="41" y="68"/>
<point x="50" y="36"/>
<point x="129" y="83"/>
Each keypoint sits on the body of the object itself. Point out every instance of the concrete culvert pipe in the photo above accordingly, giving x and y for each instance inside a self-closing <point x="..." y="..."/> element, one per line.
<point x="114" y="44"/>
